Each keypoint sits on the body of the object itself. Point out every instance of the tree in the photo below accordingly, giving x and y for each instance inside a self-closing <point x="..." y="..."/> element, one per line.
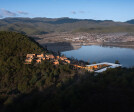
<point x="117" y="62"/>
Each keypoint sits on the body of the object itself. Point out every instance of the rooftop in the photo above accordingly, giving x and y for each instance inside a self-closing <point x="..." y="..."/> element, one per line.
<point x="111" y="65"/>
<point x="105" y="63"/>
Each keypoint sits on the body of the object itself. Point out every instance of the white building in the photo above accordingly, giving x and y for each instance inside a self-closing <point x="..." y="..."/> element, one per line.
<point x="101" y="67"/>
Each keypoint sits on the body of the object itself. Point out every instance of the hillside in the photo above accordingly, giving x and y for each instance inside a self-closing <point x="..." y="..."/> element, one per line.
<point x="13" y="49"/>
<point x="15" y="76"/>
<point x="45" y="87"/>
<point x="130" y="21"/>
<point x="32" y="26"/>
<point x="107" y="92"/>
<point x="111" y="29"/>
<point x="15" y="44"/>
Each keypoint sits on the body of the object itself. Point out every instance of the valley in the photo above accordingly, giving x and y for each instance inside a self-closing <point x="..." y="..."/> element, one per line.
<point x="65" y="41"/>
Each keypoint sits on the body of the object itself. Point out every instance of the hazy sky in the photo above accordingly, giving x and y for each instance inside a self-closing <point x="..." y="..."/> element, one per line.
<point x="118" y="10"/>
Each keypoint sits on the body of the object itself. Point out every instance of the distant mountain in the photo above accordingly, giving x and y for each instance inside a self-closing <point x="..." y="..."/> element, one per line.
<point x="130" y="21"/>
<point x="33" y="26"/>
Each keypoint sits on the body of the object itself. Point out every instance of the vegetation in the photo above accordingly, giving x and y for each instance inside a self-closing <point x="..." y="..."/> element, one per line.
<point x="47" y="25"/>
<point x="48" y="88"/>
<point x="15" y="76"/>
<point x="109" y="29"/>
<point x="117" y="62"/>
<point x="110" y="91"/>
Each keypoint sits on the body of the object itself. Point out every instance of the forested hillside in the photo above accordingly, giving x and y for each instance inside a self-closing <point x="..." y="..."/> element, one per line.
<point x="111" y="91"/>
<point x="15" y="76"/>
<point x="15" y="44"/>
<point x="47" y="88"/>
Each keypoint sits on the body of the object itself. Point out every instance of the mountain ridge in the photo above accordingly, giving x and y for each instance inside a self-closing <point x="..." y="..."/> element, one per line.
<point x="32" y="26"/>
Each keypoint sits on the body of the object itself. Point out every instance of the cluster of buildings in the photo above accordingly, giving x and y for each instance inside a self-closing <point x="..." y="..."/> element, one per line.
<point x="84" y="38"/>
<point x="38" y="58"/>
<point x="98" y="68"/>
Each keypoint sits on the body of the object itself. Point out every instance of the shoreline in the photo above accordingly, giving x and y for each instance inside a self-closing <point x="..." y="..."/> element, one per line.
<point x="64" y="46"/>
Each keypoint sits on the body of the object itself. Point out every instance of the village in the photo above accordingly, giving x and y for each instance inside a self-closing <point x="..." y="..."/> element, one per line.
<point x="38" y="58"/>
<point x="69" y="41"/>
<point x="98" y="68"/>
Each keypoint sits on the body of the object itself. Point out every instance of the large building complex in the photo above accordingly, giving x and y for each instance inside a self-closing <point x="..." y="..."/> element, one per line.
<point x="101" y="67"/>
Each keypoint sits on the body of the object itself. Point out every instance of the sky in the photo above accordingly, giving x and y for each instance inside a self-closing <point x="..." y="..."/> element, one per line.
<point x="117" y="10"/>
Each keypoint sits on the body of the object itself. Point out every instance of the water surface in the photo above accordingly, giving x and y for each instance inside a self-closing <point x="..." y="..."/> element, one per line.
<point x="97" y="54"/>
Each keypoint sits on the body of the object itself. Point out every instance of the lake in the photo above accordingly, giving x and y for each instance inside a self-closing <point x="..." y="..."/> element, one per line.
<point x="97" y="54"/>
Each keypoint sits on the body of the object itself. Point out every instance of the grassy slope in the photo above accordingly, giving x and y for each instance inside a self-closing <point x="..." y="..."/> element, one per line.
<point x="45" y="25"/>
<point x="112" y="29"/>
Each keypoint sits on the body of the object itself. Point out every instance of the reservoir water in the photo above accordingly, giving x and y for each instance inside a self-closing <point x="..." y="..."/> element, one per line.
<point x="97" y="54"/>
